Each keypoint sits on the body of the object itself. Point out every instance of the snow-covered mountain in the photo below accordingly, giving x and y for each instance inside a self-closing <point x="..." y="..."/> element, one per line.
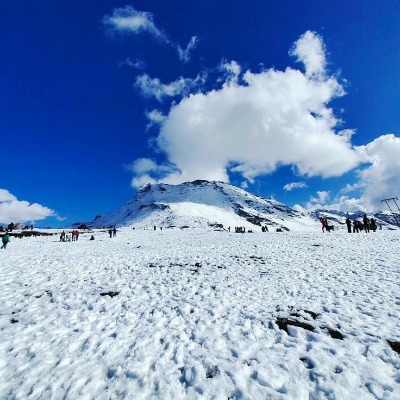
<point x="204" y="204"/>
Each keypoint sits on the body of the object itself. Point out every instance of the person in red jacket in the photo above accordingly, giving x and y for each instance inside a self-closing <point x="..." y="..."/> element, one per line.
<point x="324" y="223"/>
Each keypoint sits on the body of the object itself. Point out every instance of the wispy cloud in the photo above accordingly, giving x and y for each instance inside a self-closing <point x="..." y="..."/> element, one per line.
<point x="127" y="19"/>
<point x="138" y="64"/>
<point x="14" y="210"/>
<point x="294" y="185"/>
<point x="153" y="87"/>
<point x="184" y="54"/>
<point x="155" y="117"/>
<point x="130" y="20"/>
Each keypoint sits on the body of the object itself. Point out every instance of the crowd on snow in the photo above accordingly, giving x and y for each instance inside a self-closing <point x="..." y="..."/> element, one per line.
<point x="356" y="226"/>
<point x="367" y="224"/>
<point x="68" y="237"/>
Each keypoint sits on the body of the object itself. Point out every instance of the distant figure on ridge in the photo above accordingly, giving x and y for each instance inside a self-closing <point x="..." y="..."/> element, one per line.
<point x="110" y="232"/>
<point x="114" y="231"/>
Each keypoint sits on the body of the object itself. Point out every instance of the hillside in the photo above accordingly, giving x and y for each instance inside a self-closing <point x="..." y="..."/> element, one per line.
<point x="204" y="204"/>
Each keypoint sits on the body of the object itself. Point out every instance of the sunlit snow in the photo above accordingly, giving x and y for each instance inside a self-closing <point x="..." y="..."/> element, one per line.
<point x="196" y="314"/>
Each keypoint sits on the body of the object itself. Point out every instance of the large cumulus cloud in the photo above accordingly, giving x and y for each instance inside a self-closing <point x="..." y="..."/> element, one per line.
<point x="257" y="121"/>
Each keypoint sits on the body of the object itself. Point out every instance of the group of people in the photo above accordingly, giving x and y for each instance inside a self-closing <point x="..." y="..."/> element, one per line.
<point x="112" y="232"/>
<point x="367" y="225"/>
<point x="67" y="237"/>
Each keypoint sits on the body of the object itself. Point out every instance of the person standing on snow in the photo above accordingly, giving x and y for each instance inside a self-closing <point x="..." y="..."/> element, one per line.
<point x="324" y="223"/>
<point x="348" y="223"/>
<point x="5" y="240"/>
<point x="373" y="225"/>
<point x="366" y="223"/>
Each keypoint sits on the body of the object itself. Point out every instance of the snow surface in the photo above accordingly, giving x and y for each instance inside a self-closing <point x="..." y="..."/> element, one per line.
<point x="197" y="316"/>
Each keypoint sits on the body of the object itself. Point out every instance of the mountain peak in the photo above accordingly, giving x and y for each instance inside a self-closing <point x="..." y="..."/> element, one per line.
<point x="204" y="204"/>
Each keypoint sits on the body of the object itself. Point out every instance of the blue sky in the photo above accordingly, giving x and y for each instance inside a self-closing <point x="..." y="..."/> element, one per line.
<point x="295" y="100"/>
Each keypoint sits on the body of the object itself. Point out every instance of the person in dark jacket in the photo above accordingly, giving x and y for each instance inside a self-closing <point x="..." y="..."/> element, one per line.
<point x="5" y="240"/>
<point x="348" y="223"/>
<point x="366" y="223"/>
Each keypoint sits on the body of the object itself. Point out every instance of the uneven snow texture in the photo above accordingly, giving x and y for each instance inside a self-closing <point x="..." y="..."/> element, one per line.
<point x="193" y="315"/>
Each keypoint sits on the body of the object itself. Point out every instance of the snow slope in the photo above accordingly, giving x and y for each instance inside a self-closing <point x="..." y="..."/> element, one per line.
<point x="178" y="314"/>
<point x="203" y="204"/>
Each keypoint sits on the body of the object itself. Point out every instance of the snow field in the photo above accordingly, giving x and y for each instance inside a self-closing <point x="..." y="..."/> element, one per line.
<point x="197" y="316"/>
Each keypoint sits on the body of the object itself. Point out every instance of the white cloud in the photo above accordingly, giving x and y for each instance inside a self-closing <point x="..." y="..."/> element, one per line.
<point x="231" y="71"/>
<point x="310" y="50"/>
<point x="138" y="182"/>
<point x="378" y="181"/>
<point x="155" y="117"/>
<point x="271" y="118"/>
<point x="153" y="87"/>
<point x="299" y="208"/>
<point x="255" y="122"/>
<point x="382" y="178"/>
<point x="147" y="170"/>
<point x="5" y="195"/>
<point x="319" y="201"/>
<point x="340" y="203"/>
<point x="14" y="210"/>
<point x="143" y="165"/>
<point x="129" y="20"/>
<point x="294" y="185"/>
